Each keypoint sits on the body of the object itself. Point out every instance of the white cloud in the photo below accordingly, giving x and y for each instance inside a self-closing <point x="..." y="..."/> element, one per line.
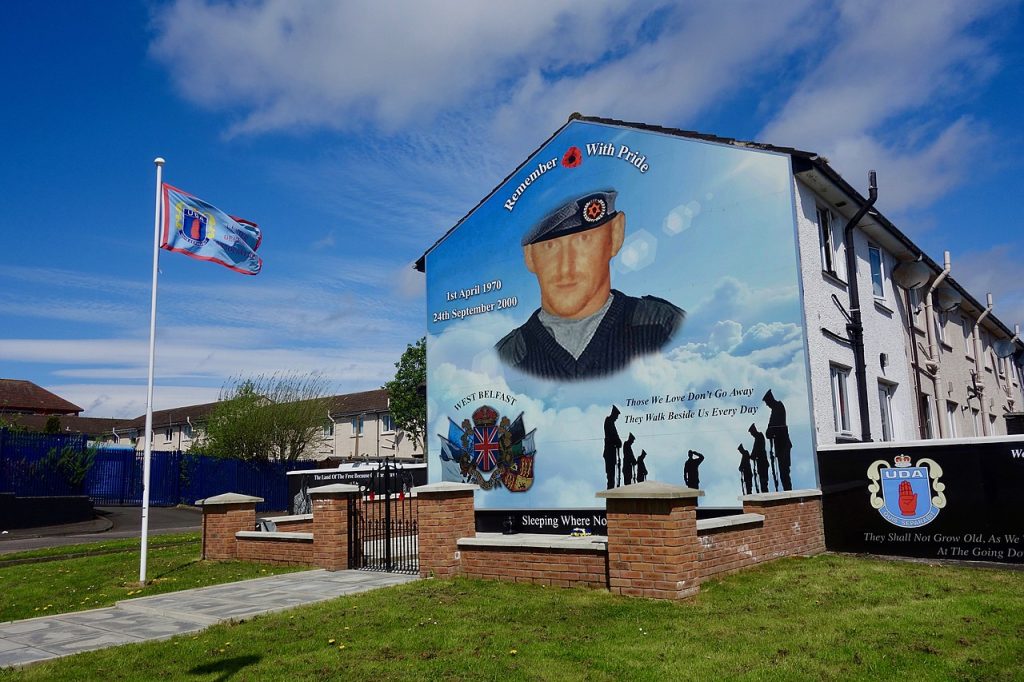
<point x="880" y="94"/>
<point x="996" y="270"/>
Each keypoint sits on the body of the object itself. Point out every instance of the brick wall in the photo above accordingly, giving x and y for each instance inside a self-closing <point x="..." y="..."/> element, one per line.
<point x="445" y="515"/>
<point x="330" y="530"/>
<point x="220" y="523"/>
<point x="274" y="551"/>
<point x="791" y="527"/>
<point x="298" y="526"/>
<point x="727" y="550"/>
<point x="652" y="547"/>
<point x="561" y="567"/>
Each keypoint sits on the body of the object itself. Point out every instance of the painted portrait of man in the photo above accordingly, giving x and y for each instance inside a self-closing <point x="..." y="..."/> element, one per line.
<point x="584" y="328"/>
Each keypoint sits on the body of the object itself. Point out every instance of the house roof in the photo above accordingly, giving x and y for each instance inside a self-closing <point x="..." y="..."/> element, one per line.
<point x="339" y="405"/>
<point x="90" y="426"/>
<point x="175" y="415"/>
<point x="17" y="395"/>
<point x="358" y="403"/>
<point x="804" y="163"/>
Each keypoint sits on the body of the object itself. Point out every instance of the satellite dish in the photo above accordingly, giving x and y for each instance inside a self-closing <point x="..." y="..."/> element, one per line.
<point x="946" y="299"/>
<point x="1004" y="348"/>
<point x="911" y="275"/>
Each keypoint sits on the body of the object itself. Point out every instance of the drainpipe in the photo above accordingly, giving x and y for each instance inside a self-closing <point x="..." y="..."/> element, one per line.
<point x="856" y="327"/>
<point x="916" y="357"/>
<point x="979" y="364"/>
<point x="334" y="435"/>
<point x="933" y="347"/>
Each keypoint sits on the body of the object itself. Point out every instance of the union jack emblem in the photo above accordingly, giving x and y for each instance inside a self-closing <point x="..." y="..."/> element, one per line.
<point x="486" y="447"/>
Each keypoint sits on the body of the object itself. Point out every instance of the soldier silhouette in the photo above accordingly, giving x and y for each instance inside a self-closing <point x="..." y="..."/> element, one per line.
<point x="691" y="475"/>
<point x="612" y="443"/>
<point x="641" y="468"/>
<point x="745" y="470"/>
<point x="628" y="460"/>
<point x="778" y="433"/>
<point x="759" y="454"/>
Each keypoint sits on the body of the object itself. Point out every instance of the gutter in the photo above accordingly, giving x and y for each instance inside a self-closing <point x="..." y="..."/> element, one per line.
<point x="933" y="349"/>
<point x="979" y="364"/>
<point x="855" y="327"/>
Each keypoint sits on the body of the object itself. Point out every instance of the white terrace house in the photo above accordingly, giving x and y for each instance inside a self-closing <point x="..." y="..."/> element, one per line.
<point x="356" y="425"/>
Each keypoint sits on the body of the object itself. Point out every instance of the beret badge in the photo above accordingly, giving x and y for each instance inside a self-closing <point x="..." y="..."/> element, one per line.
<point x="595" y="210"/>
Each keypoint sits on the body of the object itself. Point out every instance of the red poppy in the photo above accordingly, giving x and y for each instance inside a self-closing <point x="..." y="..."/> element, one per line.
<point x="573" y="157"/>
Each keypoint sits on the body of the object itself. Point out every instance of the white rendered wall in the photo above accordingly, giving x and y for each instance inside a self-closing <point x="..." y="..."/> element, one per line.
<point x="884" y="330"/>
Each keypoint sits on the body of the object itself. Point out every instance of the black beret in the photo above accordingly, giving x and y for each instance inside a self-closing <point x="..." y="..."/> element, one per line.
<point x="577" y="215"/>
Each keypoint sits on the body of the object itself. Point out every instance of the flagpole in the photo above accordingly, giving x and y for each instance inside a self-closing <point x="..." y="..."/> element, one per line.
<point x="149" y="388"/>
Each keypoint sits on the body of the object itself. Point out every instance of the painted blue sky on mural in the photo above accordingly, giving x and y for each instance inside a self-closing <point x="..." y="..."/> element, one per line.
<point x="356" y="134"/>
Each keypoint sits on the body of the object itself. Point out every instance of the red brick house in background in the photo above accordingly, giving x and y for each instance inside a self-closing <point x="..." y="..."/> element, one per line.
<point x="23" y="397"/>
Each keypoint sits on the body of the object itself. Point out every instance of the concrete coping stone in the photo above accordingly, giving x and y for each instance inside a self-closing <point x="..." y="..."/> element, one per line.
<point x="275" y="535"/>
<point x="289" y="518"/>
<point x="334" y="489"/>
<point x="598" y="543"/>
<point x="729" y="521"/>
<point x="781" y="495"/>
<point x="444" y="487"/>
<point x="650" y="490"/>
<point x="228" y="498"/>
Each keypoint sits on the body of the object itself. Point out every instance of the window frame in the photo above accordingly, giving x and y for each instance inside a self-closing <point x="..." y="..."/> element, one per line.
<point x="885" y="391"/>
<point x="951" y="410"/>
<point x="877" y="275"/>
<point x="839" y="377"/>
<point x="386" y="421"/>
<point x="357" y="423"/>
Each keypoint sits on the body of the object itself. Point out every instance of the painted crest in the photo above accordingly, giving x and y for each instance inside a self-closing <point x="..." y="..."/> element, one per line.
<point x="489" y="444"/>
<point x="905" y="495"/>
<point x="194" y="226"/>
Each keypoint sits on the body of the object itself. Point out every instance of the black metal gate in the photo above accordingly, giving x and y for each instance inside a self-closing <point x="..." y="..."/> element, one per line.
<point x="383" y="529"/>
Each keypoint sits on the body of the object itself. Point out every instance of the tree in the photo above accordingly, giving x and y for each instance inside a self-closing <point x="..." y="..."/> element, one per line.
<point x="407" y="392"/>
<point x="52" y="424"/>
<point x="263" y="418"/>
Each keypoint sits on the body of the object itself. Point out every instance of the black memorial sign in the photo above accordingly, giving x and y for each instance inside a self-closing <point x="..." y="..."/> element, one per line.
<point x="366" y="476"/>
<point x="942" y="500"/>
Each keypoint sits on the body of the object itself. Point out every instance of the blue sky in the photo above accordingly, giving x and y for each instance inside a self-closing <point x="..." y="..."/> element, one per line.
<point x="356" y="134"/>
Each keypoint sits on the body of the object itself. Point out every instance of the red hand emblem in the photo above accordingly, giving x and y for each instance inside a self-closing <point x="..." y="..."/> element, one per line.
<point x="908" y="499"/>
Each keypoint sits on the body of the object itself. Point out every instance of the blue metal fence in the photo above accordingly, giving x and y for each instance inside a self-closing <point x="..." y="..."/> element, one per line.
<point x="115" y="476"/>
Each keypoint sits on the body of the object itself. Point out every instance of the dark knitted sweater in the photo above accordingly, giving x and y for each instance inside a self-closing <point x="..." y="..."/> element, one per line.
<point x="632" y="327"/>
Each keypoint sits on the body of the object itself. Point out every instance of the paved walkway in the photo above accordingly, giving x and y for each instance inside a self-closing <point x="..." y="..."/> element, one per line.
<point x="165" y="615"/>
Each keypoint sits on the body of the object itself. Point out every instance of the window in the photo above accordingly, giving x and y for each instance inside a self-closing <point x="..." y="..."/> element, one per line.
<point x="951" y="409"/>
<point x="877" y="264"/>
<point x="830" y="252"/>
<point x="927" y="418"/>
<point x="840" y="399"/>
<point x="168" y="434"/>
<point x="387" y="424"/>
<point x="357" y="425"/>
<point x="976" y="421"/>
<point x="885" y="392"/>
<point x="968" y="345"/>
<point x="329" y="430"/>
<point x="940" y="326"/>
<point x="187" y="431"/>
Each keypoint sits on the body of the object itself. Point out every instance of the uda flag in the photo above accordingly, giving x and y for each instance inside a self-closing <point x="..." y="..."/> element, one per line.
<point x="197" y="229"/>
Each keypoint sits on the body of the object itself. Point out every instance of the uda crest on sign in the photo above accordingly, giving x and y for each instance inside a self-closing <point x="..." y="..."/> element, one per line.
<point x="905" y="495"/>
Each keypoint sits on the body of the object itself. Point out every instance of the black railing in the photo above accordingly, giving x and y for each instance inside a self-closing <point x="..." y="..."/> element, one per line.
<point x="383" y="526"/>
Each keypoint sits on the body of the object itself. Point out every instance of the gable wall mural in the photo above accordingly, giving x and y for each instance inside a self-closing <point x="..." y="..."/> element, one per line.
<point x="625" y="307"/>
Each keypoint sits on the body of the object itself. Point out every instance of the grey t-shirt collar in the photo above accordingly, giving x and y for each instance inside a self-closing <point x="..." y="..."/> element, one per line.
<point x="574" y="335"/>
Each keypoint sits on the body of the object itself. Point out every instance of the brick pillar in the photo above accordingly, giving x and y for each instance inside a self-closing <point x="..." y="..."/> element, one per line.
<point x="652" y="540"/>
<point x="446" y="514"/>
<point x="223" y="516"/>
<point x="330" y="524"/>
<point x="792" y="521"/>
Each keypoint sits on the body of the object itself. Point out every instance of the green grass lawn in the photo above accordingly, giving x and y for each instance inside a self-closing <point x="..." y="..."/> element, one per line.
<point x="829" y="617"/>
<point x="77" y="577"/>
